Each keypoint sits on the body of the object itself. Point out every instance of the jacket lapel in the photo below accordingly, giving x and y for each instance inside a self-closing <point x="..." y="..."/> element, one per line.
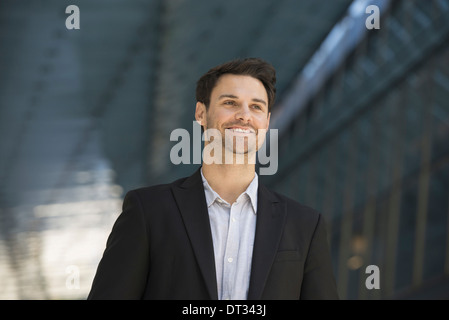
<point x="270" y="223"/>
<point x="192" y="204"/>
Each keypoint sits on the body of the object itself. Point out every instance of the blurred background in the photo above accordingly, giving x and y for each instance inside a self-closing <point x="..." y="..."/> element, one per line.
<point x="362" y="116"/>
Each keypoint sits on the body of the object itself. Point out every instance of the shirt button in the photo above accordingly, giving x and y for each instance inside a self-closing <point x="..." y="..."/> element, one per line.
<point x="233" y="219"/>
<point x="230" y="259"/>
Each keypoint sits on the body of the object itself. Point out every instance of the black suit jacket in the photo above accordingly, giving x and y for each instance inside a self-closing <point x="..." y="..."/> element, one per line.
<point x="161" y="248"/>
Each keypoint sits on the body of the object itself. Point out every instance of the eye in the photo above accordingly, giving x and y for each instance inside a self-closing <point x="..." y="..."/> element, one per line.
<point x="230" y="103"/>
<point x="256" y="106"/>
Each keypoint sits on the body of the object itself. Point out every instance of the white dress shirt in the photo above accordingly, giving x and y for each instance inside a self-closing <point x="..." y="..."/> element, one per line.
<point x="233" y="228"/>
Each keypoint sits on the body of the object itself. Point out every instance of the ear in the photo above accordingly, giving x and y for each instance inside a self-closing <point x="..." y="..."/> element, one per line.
<point x="200" y="113"/>
<point x="268" y="120"/>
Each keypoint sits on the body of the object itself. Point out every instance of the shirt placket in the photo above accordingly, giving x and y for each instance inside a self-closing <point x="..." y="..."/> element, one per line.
<point x="231" y="253"/>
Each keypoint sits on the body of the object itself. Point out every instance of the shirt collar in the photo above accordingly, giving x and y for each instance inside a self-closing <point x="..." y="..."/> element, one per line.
<point x="212" y="196"/>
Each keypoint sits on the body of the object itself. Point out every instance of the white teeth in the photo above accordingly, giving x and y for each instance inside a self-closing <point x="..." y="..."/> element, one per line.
<point x="241" y="130"/>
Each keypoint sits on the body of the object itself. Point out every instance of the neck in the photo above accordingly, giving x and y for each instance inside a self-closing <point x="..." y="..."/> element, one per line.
<point x="229" y="180"/>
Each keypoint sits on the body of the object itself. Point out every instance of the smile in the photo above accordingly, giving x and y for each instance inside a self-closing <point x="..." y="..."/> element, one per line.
<point x="241" y="130"/>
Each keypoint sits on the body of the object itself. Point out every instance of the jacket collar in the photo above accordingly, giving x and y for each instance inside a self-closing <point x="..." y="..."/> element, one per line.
<point x="189" y="196"/>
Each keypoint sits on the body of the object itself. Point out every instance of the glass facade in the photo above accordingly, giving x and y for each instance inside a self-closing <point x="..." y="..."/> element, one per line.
<point x="371" y="152"/>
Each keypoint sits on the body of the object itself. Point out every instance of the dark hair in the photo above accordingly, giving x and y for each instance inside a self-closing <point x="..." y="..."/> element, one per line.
<point x="254" y="67"/>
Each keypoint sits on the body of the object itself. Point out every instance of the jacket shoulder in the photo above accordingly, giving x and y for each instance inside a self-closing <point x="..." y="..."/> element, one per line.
<point x="296" y="208"/>
<point x="158" y="188"/>
<point x="155" y="190"/>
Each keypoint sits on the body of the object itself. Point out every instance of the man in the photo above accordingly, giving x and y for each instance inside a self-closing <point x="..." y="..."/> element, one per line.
<point x="219" y="234"/>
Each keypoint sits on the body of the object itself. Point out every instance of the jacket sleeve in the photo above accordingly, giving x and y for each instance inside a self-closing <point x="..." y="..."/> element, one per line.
<point x="123" y="269"/>
<point x="319" y="282"/>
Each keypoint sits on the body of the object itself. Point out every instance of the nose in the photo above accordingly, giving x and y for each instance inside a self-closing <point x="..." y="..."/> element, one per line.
<point x="243" y="114"/>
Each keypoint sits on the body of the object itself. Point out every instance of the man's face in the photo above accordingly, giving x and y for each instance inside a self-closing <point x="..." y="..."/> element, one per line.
<point x="239" y="110"/>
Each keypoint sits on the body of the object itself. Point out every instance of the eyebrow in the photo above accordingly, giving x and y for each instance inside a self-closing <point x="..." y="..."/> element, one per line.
<point x="235" y="97"/>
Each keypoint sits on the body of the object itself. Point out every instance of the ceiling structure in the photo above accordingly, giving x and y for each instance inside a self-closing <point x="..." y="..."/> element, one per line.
<point x="127" y="76"/>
